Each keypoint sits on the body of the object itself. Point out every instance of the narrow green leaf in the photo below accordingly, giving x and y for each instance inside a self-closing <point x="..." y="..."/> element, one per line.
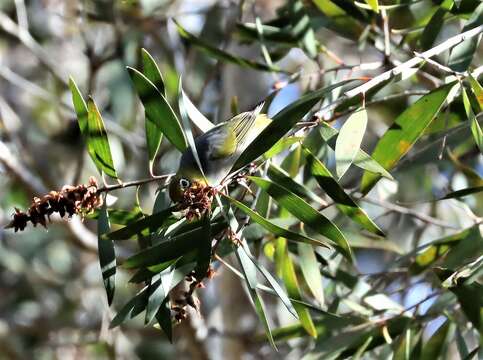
<point x="439" y="247"/>
<point x="154" y="134"/>
<point x="434" y="346"/>
<point x="187" y="127"/>
<point x="130" y="309"/>
<point x="373" y="4"/>
<point x="173" y="248"/>
<point x="281" y="145"/>
<point x="250" y="273"/>
<point x="343" y="201"/>
<point x="405" y="131"/>
<point x="280" y="177"/>
<point x="152" y="72"/>
<point x="97" y="138"/>
<point x="107" y="255"/>
<point x="475" y="126"/>
<point x="155" y="300"/>
<point x="281" y="124"/>
<point x="291" y="283"/>
<point x="158" y="109"/>
<point x="402" y="349"/>
<point x="223" y="55"/>
<point x="152" y="222"/>
<point x="360" y="351"/>
<point x="198" y="119"/>
<point x="273" y="228"/>
<point x="163" y="317"/>
<point x="433" y="27"/>
<point x="306" y="213"/>
<point x="462" y="54"/>
<point x="311" y="271"/>
<point x="118" y="216"/>
<point x="271" y="280"/>
<point x="362" y="159"/>
<point x="349" y="141"/>
<point x="81" y="111"/>
<point x="477" y="89"/>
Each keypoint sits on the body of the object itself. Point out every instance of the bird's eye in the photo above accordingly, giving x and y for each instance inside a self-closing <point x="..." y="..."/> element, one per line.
<point x="184" y="184"/>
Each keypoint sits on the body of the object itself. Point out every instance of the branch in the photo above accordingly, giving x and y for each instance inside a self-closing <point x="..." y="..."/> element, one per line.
<point x="364" y="88"/>
<point x="402" y="210"/>
<point x="123" y="185"/>
<point x="81" y="236"/>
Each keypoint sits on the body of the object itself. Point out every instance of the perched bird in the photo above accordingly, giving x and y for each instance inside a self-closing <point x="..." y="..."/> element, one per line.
<point x="218" y="149"/>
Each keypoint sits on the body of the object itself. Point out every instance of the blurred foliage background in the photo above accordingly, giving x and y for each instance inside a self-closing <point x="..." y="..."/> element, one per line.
<point x="393" y="302"/>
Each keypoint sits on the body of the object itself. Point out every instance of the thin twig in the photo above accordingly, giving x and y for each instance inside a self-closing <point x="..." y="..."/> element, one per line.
<point x="387" y="33"/>
<point x="123" y="185"/>
<point x="440" y="66"/>
<point x="406" y="211"/>
<point x="397" y="70"/>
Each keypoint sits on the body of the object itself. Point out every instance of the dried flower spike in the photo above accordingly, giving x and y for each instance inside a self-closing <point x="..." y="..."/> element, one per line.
<point x="81" y="199"/>
<point x="197" y="200"/>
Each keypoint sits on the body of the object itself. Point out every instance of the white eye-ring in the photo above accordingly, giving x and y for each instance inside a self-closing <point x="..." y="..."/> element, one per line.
<point x="184" y="184"/>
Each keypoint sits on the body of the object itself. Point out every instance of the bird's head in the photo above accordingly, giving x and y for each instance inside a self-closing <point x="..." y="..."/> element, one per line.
<point x="183" y="181"/>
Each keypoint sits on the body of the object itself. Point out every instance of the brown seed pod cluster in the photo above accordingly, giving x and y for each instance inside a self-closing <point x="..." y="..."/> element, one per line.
<point x="187" y="298"/>
<point x="80" y="199"/>
<point x="197" y="200"/>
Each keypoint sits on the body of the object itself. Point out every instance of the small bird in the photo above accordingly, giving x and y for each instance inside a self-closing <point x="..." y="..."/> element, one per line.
<point x="218" y="149"/>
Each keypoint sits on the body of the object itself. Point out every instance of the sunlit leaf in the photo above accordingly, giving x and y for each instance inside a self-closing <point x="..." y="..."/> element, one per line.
<point x="349" y="141"/>
<point x="280" y="177"/>
<point x="306" y="213"/>
<point x="362" y="159"/>
<point x="271" y="280"/>
<point x="281" y="145"/>
<point x="405" y="131"/>
<point x="311" y="271"/>
<point x="343" y="201"/>
<point x="477" y="89"/>
<point x="272" y="227"/>
<point x="198" y="119"/>
<point x="81" y="111"/>
<point x="440" y="247"/>
<point x="475" y="126"/>
<point x="293" y="289"/>
<point x="152" y="72"/>
<point x="250" y="273"/>
<point x="158" y="109"/>
<point x="373" y="4"/>
<point x="153" y="131"/>
<point x="97" y="138"/>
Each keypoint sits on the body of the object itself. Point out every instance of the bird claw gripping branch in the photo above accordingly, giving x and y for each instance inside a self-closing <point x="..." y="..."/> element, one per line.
<point x="81" y="199"/>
